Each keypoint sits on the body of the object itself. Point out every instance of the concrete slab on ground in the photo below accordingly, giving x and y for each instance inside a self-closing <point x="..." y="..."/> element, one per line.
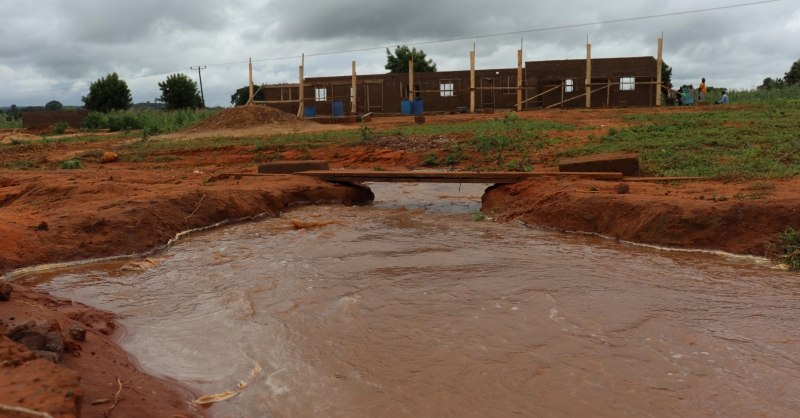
<point x="615" y="162"/>
<point x="291" y="167"/>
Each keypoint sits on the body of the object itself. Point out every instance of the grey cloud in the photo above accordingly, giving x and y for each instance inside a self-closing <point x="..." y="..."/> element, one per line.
<point x="59" y="43"/>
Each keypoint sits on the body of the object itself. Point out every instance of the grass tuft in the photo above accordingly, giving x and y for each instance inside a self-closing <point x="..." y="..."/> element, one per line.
<point x="787" y="248"/>
<point x="71" y="165"/>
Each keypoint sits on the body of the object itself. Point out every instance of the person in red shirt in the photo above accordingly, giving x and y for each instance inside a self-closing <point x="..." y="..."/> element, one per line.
<point x="703" y="91"/>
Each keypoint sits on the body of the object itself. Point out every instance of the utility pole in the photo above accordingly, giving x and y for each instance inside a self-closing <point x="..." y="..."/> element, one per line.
<point x="201" y="82"/>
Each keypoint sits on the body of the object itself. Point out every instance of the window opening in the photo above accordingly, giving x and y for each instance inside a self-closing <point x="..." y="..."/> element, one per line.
<point x="627" y="83"/>
<point x="446" y="88"/>
<point x="569" y="86"/>
<point x="322" y="94"/>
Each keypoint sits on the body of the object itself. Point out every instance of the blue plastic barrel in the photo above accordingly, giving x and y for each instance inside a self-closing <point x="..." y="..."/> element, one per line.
<point x="310" y="112"/>
<point x="417" y="106"/>
<point x="337" y="109"/>
<point x="405" y="107"/>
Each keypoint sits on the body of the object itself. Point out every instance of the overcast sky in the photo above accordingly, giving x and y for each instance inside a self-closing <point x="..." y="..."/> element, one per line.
<point x="52" y="44"/>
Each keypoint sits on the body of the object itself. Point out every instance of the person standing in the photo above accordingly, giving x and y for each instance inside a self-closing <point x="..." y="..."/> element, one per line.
<point x="703" y="91"/>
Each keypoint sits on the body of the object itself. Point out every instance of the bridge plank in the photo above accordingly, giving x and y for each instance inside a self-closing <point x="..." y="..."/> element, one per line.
<point x="498" y="177"/>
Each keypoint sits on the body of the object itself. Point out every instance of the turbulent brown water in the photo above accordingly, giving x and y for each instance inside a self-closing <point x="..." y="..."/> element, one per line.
<point x="410" y="309"/>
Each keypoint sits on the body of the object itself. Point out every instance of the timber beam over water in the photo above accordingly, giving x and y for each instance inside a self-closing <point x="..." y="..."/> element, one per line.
<point x="496" y="177"/>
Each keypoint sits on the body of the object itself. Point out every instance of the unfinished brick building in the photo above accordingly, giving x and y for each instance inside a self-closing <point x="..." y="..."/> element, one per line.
<point x="542" y="84"/>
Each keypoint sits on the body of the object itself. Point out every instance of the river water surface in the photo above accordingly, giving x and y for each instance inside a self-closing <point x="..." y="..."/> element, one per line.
<point x="409" y="309"/>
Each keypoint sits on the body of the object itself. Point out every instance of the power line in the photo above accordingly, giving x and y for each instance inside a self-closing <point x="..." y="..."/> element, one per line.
<point x="578" y="25"/>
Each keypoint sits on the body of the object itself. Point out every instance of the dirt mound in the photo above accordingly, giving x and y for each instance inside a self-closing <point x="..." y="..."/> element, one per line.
<point x="46" y="130"/>
<point x="244" y="117"/>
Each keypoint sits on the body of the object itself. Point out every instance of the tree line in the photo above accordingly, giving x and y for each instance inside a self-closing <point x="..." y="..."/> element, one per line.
<point x="791" y="78"/>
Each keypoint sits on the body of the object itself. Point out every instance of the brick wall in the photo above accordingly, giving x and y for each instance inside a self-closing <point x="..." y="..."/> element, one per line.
<point x="74" y="118"/>
<point x="548" y="74"/>
<point x="383" y="93"/>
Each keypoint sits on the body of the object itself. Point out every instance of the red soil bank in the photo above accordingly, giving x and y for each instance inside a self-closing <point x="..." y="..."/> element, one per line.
<point x="703" y="215"/>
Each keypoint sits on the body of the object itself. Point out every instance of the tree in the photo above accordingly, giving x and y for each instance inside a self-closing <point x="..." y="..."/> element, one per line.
<point x="107" y="94"/>
<point x="242" y="95"/>
<point x="398" y="62"/>
<point x="13" y="109"/>
<point x="769" y="83"/>
<point x="180" y="92"/>
<point x="666" y="74"/>
<point x="793" y="76"/>
<point x="53" y="105"/>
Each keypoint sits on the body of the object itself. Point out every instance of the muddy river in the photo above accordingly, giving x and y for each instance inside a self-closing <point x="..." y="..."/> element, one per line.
<point x="409" y="308"/>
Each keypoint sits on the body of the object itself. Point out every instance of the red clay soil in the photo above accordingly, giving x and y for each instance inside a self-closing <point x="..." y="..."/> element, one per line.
<point x="50" y="217"/>
<point x="87" y="374"/>
<point x="733" y="217"/>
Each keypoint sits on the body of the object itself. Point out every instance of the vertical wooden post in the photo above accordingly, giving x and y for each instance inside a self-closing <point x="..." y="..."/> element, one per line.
<point x="562" y="93"/>
<point x="353" y="107"/>
<point x="519" y="80"/>
<point x="588" y="75"/>
<point x="301" y="94"/>
<point x="658" y="72"/>
<point x="472" y="81"/>
<point x="250" y="98"/>
<point x="608" y="94"/>
<point x="411" y="80"/>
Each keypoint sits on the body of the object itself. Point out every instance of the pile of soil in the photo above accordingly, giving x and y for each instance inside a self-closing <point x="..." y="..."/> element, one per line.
<point x="244" y="117"/>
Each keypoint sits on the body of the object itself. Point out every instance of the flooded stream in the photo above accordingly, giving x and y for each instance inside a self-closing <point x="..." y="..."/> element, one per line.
<point x="410" y="309"/>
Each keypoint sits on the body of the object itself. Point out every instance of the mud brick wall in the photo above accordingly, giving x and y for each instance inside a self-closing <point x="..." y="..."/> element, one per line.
<point x="74" y="118"/>
<point x="548" y="74"/>
<point x="383" y="93"/>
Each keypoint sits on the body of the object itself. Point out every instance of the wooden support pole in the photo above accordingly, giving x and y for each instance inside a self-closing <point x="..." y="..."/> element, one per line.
<point x="353" y="107"/>
<point x="562" y="94"/>
<point x="658" y="72"/>
<point x="519" y="80"/>
<point x="608" y="94"/>
<point x="411" y="80"/>
<point x="301" y="94"/>
<point x="250" y="100"/>
<point x="588" y="75"/>
<point x="472" y="81"/>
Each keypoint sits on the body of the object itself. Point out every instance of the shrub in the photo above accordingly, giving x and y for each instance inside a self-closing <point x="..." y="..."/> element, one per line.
<point x="95" y="120"/>
<point x="60" y="128"/>
<point x="787" y="249"/>
<point x="430" y="159"/>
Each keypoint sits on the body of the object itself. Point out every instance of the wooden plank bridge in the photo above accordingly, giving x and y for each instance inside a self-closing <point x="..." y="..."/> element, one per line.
<point x="495" y="177"/>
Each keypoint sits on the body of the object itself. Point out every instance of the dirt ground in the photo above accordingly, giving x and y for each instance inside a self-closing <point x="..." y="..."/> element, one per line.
<point x="735" y="217"/>
<point x="127" y="207"/>
<point x="98" y="361"/>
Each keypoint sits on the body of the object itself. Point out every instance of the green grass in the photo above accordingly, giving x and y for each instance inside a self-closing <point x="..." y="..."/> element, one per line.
<point x="757" y="96"/>
<point x="497" y="138"/>
<point x="753" y="143"/>
<point x="71" y="165"/>
<point x="430" y="159"/>
<point x="153" y="122"/>
<point x="787" y="248"/>
<point x="7" y="123"/>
